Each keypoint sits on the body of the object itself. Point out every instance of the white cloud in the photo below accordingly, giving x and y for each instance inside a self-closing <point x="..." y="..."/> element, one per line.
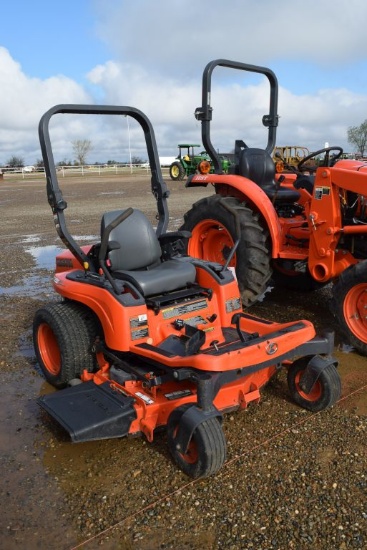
<point x="306" y="119"/>
<point x="23" y="101"/>
<point x="178" y="36"/>
<point x="159" y="50"/>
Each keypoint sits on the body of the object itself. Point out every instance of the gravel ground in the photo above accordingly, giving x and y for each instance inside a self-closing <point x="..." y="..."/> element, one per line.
<point x="292" y="479"/>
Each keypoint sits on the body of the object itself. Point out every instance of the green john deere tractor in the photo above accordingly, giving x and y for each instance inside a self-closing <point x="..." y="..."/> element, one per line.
<point x="188" y="162"/>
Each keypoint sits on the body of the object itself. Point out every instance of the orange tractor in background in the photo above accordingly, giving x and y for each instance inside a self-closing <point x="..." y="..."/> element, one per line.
<point x="305" y="228"/>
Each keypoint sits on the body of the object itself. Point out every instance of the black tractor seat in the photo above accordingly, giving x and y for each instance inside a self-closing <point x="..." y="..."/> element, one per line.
<point x="135" y="255"/>
<point x="258" y="166"/>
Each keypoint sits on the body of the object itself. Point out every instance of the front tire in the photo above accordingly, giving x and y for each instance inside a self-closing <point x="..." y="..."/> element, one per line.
<point x="213" y="230"/>
<point x="207" y="448"/>
<point x="63" y="335"/>
<point x="325" y="392"/>
<point x="349" y="305"/>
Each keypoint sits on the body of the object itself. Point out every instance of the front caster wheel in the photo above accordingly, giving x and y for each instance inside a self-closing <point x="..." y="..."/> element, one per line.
<point x="325" y="392"/>
<point x="206" y="452"/>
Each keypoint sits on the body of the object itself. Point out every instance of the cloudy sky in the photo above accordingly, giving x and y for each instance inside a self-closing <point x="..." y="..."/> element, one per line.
<point x="151" y="55"/>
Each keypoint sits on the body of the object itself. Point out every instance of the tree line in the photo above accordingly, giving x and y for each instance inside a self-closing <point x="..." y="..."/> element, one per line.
<point x="81" y="149"/>
<point x="357" y="137"/>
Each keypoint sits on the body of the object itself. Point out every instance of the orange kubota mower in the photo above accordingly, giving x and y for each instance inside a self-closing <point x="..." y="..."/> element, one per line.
<point x="305" y="230"/>
<point x="146" y="337"/>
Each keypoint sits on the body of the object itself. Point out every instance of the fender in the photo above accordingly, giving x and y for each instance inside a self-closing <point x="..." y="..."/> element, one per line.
<point x="248" y="191"/>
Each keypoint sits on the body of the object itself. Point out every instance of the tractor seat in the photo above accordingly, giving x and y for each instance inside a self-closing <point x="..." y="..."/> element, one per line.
<point x="258" y="166"/>
<point x="134" y="255"/>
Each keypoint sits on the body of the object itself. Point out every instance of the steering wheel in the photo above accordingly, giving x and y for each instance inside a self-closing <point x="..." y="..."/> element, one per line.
<point x="326" y="162"/>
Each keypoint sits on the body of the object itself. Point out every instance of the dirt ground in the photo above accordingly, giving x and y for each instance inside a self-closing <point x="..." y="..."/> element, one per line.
<point x="292" y="479"/>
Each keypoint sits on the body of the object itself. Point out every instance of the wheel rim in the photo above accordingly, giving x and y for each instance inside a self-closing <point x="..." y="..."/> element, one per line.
<point x="49" y="349"/>
<point x="355" y="311"/>
<point x="191" y="456"/>
<point x="314" y="394"/>
<point x="175" y="171"/>
<point x="212" y="242"/>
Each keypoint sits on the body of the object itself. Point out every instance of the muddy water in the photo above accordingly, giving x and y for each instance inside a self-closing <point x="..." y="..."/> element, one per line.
<point x="58" y="495"/>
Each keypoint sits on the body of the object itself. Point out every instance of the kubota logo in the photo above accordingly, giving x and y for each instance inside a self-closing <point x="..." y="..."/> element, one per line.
<point x="271" y="348"/>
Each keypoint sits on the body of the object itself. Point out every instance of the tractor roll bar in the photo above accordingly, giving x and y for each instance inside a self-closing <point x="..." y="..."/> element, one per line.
<point x="54" y="194"/>
<point x="204" y="113"/>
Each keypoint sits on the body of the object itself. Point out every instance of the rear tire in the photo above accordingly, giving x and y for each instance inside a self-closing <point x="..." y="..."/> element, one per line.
<point x="213" y="232"/>
<point x="325" y="392"/>
<point x="207" y="449"/>
<point x="349" y="305"/>
<point x="63" y="335"/>
<point x="177" y="171"/>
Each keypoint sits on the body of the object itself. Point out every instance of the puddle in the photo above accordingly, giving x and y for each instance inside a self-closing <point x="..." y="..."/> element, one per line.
<point x="33" y="285"/>
<point x="44" y="255"/>
<point x="87" y="238"/>
<point x="30" y="239"/>
<point x="111" y="193"/>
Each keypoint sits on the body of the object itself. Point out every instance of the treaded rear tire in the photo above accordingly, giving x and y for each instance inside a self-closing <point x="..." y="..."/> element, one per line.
<point x="214" y="233"/>
<point x="207" y="448"/>
<point x="63" y="335"/>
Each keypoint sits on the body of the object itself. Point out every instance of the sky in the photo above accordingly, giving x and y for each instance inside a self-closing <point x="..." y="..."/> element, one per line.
<point x="151" y="55"/>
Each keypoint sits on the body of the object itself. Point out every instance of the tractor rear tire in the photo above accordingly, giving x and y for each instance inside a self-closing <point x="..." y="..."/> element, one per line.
<point x="213" y="230"/>
<point x="207" y="448"/>
<point x="325" y="392"/>
<point x="63" y="336"/>
<point x="177" y="171"/>
<point x="349" y="305"/>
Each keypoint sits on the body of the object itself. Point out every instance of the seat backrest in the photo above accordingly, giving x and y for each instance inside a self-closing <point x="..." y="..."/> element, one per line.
<point x="258" y="166"/>
<point x="138" y="245"/>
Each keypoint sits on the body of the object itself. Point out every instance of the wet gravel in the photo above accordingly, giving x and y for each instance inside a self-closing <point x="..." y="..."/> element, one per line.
<point x="292" y="479"/>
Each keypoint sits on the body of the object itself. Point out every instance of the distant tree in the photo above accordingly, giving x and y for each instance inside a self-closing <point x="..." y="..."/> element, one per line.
<point x="357" y="136"/>
<point x="64" y="162"/>
<point x="81" y="148"/>
<point x="136" y="160"/>
<point x="39" y="163"/>
<point x="15" y="162"/>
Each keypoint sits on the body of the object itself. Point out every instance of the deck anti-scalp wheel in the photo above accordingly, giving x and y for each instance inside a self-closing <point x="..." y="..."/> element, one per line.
<point x="213" y="230"/>
<point x="63" y="335"/>
<point x="349" y="305"/>
<point x="325" y="392"/>
<point x="206" y="452"/>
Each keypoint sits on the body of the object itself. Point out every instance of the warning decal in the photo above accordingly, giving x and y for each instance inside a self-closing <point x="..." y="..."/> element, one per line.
<point x="321" y="191"/>
<point x="233" y="304"/>
<point x="177" y="311"/>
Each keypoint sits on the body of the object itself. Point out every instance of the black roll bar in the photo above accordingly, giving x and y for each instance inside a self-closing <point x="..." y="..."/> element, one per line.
<point x="54" y="194"/>
<point x="204" y="113"/>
